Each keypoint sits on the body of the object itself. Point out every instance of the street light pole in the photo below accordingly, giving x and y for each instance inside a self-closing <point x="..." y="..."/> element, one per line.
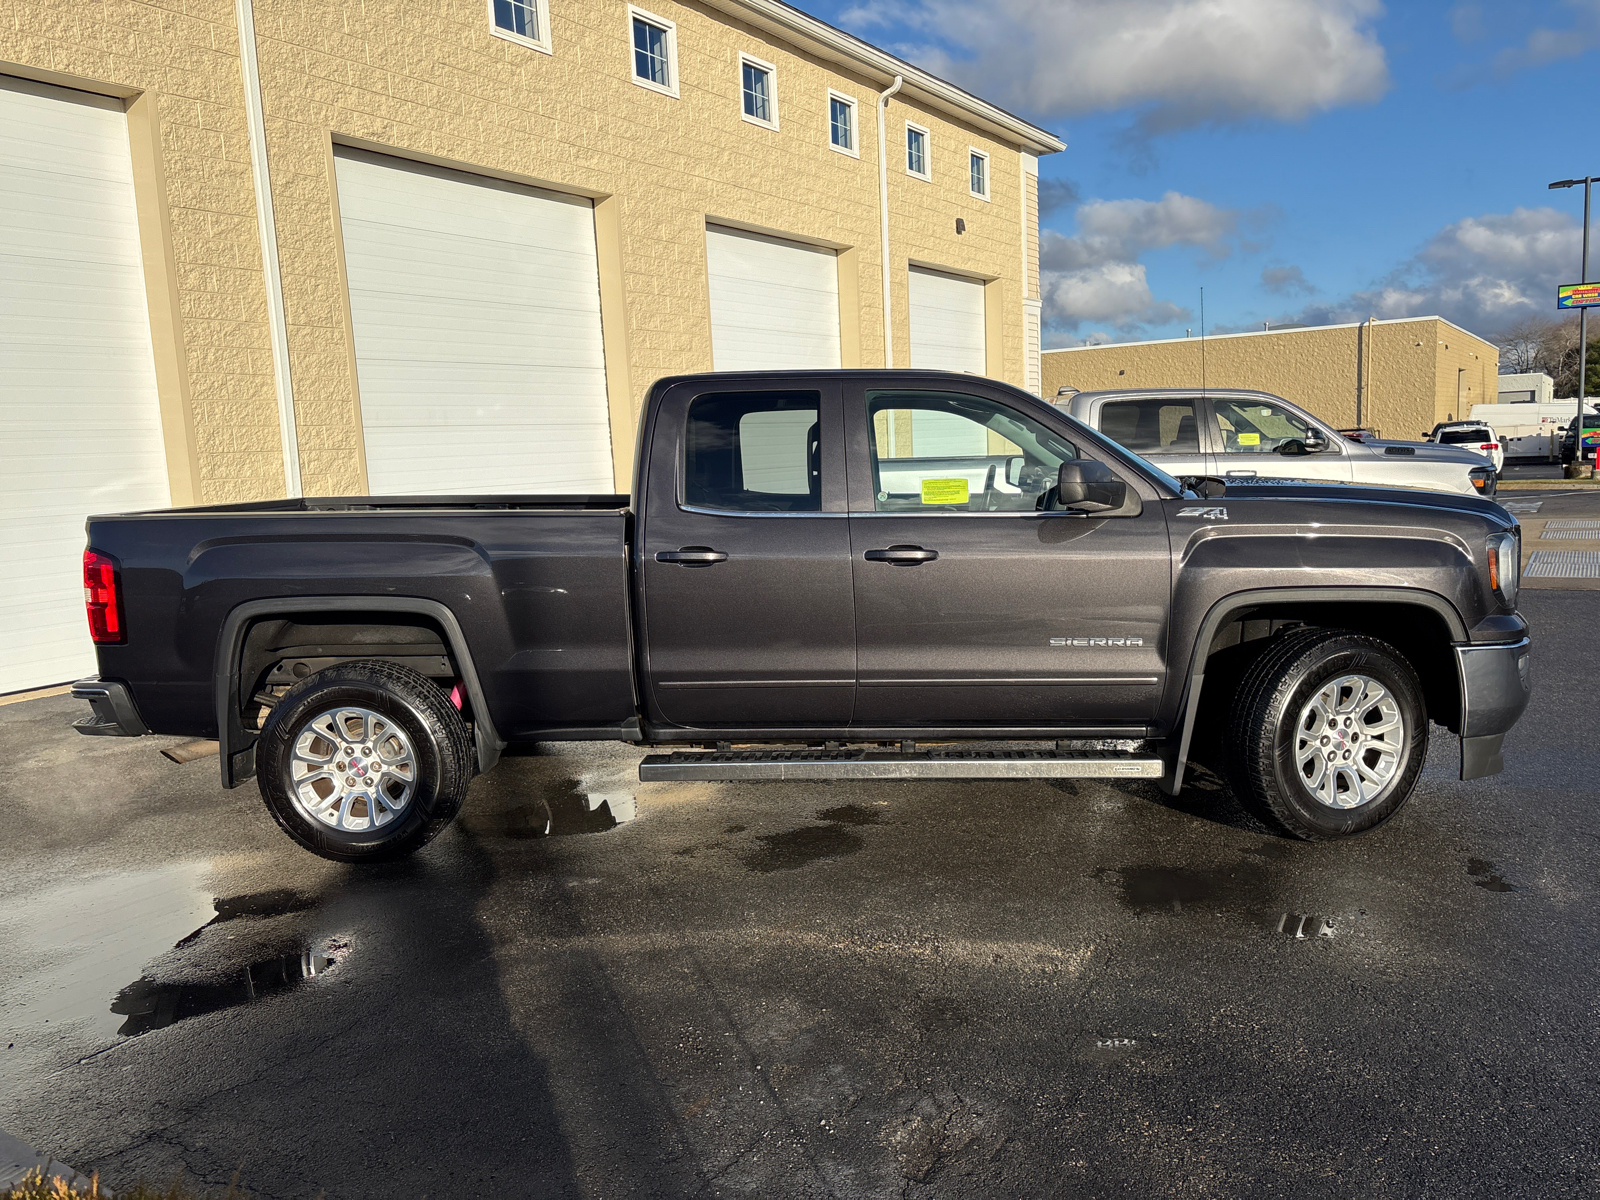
<point x="1583" y="317"/>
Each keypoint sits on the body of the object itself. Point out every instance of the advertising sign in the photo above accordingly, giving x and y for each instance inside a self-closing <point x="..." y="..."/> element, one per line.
<point x="1578" y="295"/>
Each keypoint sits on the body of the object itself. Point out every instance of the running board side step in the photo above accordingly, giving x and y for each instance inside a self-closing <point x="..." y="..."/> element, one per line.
<point x="954" y="763"/>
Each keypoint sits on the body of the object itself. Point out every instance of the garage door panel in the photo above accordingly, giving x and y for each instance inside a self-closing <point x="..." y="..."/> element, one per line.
<point x="476" y="307"/>
<point x="774" y="303"/>
<point x="80" y="427"/>
<point x="947" y="322"/>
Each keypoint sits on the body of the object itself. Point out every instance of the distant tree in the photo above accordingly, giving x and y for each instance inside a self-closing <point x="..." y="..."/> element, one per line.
<point x="1521" y="342"/>
<point x="1549" y="344"/>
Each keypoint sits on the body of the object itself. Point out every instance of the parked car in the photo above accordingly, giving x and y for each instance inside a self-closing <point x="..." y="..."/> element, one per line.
<point x="1472" y="435"/>
<point x="1569" y="437"/>
<point x="1247" y="435"/>
<point x="851" y="571"/>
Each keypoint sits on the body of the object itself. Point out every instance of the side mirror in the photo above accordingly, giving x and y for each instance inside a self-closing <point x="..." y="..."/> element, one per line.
<point x="1089" y="486"/>
<point x="1014" y="466"/>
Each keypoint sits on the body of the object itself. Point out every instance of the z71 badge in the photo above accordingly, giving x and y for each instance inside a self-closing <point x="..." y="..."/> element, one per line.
<point x="1217" y="513"/>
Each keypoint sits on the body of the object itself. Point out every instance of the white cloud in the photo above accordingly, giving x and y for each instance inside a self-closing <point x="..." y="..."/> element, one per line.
<point x="1545" y="45"/>
<point x="1286" y="281"/>
<point x="1180" y="63"/>
<point x="1481" y="272"/>
<point x="1096" y="277"/>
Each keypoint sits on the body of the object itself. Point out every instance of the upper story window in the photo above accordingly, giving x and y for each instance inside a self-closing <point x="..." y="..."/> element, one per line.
<point x="978" y="173"/>
<point x="917" y="152"/>
<point x="655" y="51"/>
<point x="842" y="123"/>
<point x="760" y="94"/>
<point x="521" y="21"/>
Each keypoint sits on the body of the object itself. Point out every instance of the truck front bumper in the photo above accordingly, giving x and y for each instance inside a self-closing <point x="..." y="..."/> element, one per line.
<point x="113" y="713"/>
<point x="1496" y="683"/>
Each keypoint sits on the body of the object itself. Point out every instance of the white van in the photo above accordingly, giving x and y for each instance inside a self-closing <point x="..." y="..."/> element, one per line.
<point x="1529" y="430"/>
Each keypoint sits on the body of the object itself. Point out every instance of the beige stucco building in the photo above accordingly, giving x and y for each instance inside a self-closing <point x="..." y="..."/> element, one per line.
<point x="251" y="248"/>
<point x="1400" y="377"/>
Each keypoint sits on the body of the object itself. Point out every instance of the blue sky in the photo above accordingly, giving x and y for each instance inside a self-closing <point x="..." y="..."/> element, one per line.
<point x="1302" y="160"/>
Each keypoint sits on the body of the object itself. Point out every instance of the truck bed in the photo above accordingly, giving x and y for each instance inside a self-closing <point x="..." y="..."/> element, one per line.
<point x="538" y="586"/>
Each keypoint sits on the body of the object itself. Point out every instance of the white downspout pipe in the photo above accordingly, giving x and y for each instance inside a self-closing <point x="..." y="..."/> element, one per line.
<point x="883" y="217"/>
<point x="277" y="326"/>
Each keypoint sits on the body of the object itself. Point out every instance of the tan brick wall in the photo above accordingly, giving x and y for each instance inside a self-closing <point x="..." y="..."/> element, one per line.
<point x="184" y="54"/>
<point x="1408" y="370"/>
<point x="429" y="80"/>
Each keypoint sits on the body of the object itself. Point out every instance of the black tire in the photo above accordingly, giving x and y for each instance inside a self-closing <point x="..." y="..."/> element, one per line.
<point x="1264" y="753"/>
<point x="441" y="749"/>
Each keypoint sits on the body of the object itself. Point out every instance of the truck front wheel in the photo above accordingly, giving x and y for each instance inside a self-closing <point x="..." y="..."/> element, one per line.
<point x="364" y="762"/>
<point x="1328" y="734"/>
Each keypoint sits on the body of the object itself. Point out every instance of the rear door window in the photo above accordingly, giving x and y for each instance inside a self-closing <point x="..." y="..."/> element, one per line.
<point x="757" y="452"/>
<point x="1152" y="426"/>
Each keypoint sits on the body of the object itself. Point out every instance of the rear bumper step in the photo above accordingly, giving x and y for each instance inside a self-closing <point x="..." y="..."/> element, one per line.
<point x="954" y="763"/>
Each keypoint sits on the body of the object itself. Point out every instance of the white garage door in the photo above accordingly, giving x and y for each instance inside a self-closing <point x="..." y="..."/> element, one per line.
<point x="476" y="306"/>
<point x="947" y="331"/>
<point x="774" y="304"/>
<point x="947" y="334"/>
<point x="80" y="425"/>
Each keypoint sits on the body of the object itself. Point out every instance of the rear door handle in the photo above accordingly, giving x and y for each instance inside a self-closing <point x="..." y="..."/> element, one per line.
<point x="692" y="556"/>
<point x="902" y="556"/>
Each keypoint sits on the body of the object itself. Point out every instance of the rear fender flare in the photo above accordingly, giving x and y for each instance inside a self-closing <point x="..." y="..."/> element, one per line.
<point x="230" y="646"/>
<point x="1231" y="605"/>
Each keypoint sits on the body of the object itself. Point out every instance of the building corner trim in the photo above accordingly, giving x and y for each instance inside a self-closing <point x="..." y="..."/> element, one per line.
<point x="277" y="324"/>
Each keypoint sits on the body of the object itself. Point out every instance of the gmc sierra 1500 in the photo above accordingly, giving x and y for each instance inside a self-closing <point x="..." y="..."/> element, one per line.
<point x="850" y="574"/>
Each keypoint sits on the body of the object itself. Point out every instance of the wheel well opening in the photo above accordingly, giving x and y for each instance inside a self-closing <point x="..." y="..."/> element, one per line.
<point x="1416" y="632"/>
<point x="277" y="652"/>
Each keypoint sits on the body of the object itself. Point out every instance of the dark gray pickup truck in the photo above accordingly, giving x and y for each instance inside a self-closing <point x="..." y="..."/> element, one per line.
<point x="854" y="574"/>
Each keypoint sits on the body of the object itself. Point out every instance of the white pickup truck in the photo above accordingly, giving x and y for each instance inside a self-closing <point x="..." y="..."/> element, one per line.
<point x="1231" y="433"/>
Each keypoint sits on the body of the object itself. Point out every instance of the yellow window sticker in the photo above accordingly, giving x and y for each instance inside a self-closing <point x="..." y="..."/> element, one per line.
<point x="1249" y="439"/>
<point x="945" y="491"/>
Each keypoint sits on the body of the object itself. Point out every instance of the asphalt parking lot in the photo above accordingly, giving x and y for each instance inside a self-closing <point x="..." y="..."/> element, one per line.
<point x="1077" y="989"/>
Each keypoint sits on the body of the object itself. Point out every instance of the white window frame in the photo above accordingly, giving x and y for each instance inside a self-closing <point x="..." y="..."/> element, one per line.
<point x="926" y="175"/>
<point x="670" y="28"/>
<point x="854" y="150"/>
<point x="988" y="174"/>
<point x="772" y="90"/>
<point x="542" y="11"/>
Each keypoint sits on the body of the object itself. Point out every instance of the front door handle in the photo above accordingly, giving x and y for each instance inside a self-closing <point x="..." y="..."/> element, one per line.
<point x="902" y="556"/>
<point x="692" y="556"/>
<point x="1241" y="474"/>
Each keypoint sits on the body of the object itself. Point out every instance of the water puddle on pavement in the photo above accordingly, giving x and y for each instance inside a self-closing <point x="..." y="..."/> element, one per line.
<point x="149" y="1005"/>
<point x="84" y="940"/>
<point x="1484" y="876"/>
<point x="797" y="848"/>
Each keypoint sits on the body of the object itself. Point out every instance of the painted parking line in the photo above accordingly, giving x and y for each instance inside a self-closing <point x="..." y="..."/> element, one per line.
<point x="1563" y="564"/>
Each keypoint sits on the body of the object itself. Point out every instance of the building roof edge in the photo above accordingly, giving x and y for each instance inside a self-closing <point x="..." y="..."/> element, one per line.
<point x="845" y="47"/>
<point x="1272" y="333"/>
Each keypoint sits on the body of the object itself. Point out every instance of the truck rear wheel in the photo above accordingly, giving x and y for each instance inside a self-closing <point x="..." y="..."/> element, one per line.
<point x="364" y="762"/>
<point x="1328" y="734"/>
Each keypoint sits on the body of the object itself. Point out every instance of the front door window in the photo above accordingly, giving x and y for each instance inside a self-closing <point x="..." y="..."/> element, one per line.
<point x="1259" y="427"/>
<point x="945" y="452"/>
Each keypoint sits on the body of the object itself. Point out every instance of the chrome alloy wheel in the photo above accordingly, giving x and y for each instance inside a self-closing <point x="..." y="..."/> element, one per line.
<point x="1350" y="741"/>
<point x="352" y="769"/>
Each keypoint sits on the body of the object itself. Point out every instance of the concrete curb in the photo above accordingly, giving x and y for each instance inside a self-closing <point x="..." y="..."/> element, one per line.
<point x="18" y="1158"/>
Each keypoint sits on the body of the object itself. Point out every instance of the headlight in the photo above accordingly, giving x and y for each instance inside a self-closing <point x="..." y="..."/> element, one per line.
<point x="1505" y="562"/>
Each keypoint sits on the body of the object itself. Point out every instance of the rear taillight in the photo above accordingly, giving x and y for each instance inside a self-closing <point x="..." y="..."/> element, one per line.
<point x="1490" y="446"/>
<point x="102" y="597"/>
